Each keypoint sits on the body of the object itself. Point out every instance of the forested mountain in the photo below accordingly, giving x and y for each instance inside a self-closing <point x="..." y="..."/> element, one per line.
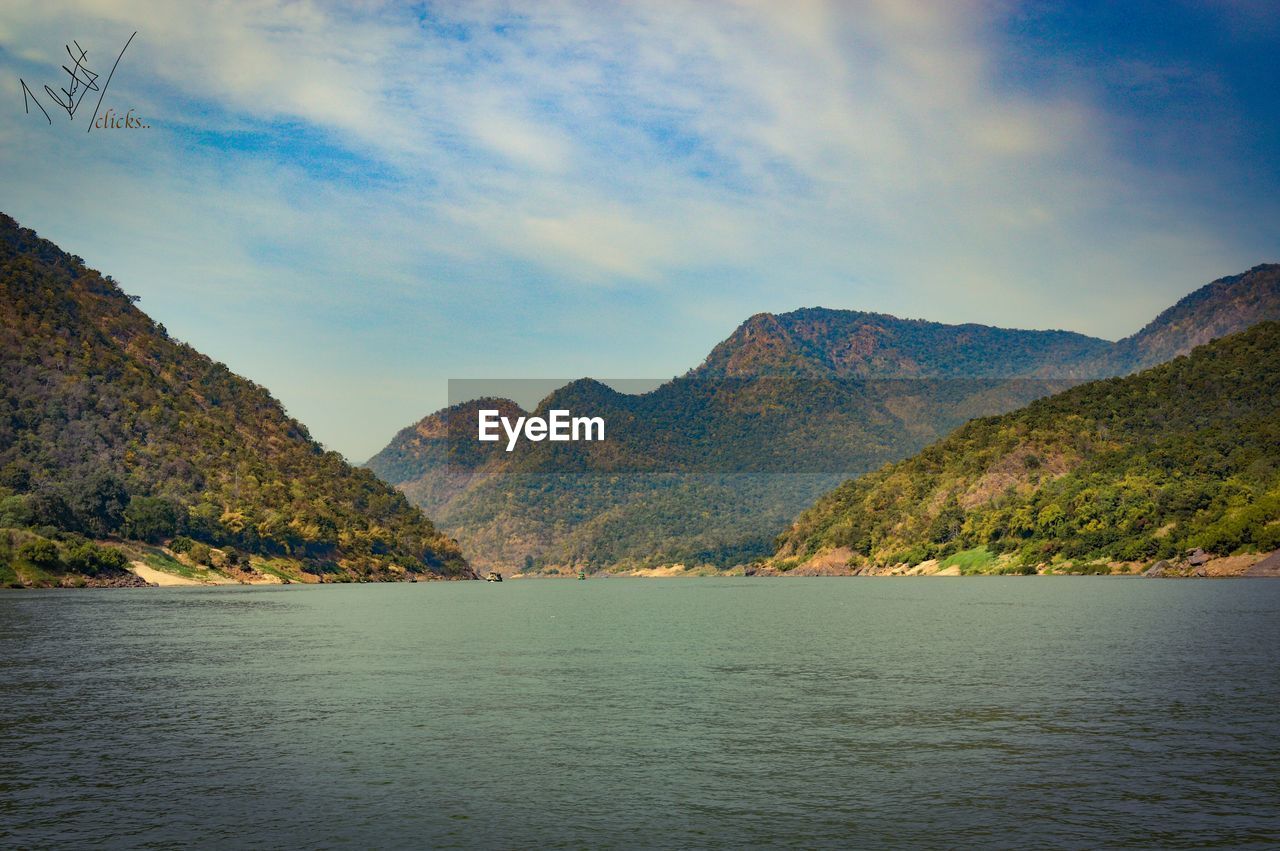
<point x="709" y="466"/>
<point x="1223" y="307"/>
<point x="110" y="428"/>
<point x="701" y="470"/>
<point x="820" y="343"/>
<point x="1182" y="455"/>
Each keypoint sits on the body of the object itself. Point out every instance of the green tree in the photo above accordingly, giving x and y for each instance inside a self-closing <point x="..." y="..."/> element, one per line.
<point x="15" y="477"/>
<point x="15" y="511"/>
<point x="50" y="509"/>
<point x="98" y="504"/>
<point x="152" y="519"/>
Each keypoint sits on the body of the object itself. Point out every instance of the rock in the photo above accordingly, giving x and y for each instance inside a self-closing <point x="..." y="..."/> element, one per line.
<point x="1197" y="557"/>
<point x="1158" y="569"/>
<point x="1269" y="566"/>
<point x="763" y="570"/>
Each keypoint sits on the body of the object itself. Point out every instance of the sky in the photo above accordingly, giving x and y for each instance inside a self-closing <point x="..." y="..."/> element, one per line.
<point x="351" y="204"/>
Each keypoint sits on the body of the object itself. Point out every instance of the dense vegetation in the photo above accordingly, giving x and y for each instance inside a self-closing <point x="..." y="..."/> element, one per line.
<point x="709" y="466"/>
<point x="699" y="471"/>
<point x="30" y="558"/>
<point x="1183" y="455"/>
<point x="109" y="428"/>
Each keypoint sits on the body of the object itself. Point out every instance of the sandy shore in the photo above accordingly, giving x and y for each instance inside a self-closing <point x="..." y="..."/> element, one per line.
<point x="159" y="577"/>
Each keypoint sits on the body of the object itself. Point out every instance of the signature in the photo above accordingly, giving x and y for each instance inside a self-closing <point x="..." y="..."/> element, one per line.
<point x="82" y="81"/>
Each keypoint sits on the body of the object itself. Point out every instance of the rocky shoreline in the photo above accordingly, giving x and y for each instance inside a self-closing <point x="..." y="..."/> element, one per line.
<point x="1195" y="564"/>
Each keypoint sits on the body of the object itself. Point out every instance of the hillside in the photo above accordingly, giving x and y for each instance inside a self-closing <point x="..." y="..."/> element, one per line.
<point x="1215" y="310"/>
<point x="707" y="468"/>
<point x="1183" y="455"/>
<point x="110" y="429"/>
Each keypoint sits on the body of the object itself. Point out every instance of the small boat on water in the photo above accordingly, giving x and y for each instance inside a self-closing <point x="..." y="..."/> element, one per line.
<point x="493" y="576"/>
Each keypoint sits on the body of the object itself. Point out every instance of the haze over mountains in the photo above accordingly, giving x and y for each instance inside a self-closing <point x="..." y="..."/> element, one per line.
<point x="110" y="428"/>
<point x="710" y="466"/>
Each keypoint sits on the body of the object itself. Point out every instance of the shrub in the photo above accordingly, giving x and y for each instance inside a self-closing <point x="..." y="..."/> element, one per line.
<point x="82" y="559"/>
<point x="1091" y="569"/>
<point x="1268" y="537"/>
<point x="41" y="553"/>
<point x="109" y="559"/>
<point x="90" y="559"/>
<point x="1138" y="549"/>
<point x="181" y="544"/>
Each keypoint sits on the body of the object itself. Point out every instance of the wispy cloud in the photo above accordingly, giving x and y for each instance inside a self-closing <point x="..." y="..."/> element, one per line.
<point x="570" y="187"/>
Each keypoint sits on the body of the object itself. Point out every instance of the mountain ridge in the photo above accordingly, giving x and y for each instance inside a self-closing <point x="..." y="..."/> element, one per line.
<point x="821" y="341"/>
<point x="841" y="415"/>
<point x="1209" y="312"/>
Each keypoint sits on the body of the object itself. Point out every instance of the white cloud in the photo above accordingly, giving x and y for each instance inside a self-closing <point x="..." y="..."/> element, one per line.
<point x="719" y="158"/>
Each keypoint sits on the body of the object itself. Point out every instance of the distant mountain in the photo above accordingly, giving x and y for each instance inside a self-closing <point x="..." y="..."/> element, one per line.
<point x="709" y="466"/>
<point x="816" y="342"/>
<point x="1215" y="310"/>
<point x="109" y="428"/>
<point x="1182" y="455"/>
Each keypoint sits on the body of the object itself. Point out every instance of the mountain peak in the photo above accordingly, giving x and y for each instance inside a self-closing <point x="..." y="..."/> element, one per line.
<point x="819" y="342"/>
<point x="1217" y="309"/>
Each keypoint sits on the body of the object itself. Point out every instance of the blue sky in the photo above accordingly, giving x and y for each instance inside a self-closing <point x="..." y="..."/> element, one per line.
<point x="351" y="204"/>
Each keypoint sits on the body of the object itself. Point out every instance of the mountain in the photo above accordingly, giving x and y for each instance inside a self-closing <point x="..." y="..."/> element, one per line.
<point x="1183" y="455"/>
<point x="707" y="468"/>
<point x="818" y="342"/>
<point x="1223" y="307"/>
<point x="110" y="429"/>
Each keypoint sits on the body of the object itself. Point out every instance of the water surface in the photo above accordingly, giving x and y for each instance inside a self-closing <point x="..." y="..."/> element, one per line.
<point x="1063" y="712"/>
